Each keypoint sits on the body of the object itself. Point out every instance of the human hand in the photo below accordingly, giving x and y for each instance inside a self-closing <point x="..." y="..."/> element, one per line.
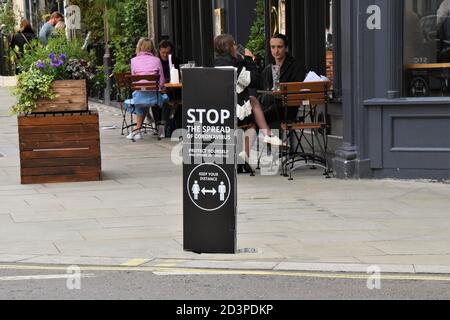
<point x="248" y="53"/>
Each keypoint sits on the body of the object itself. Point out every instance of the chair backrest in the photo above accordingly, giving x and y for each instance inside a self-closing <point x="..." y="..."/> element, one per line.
<point x="296" y="94"/>
<point x="123" y="82"/>
<point x="148" y="82"/>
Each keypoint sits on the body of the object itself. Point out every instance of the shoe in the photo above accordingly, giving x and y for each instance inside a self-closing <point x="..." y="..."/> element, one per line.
<point x="135" y="136"/>
<point x="246" y="166"/>
<point x="161" y="132"/>
<point x="173" y="111"/>
<point x="274" y="140"/>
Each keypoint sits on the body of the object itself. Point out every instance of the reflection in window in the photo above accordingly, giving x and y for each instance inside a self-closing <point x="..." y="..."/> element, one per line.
<point x="427" y="47"/>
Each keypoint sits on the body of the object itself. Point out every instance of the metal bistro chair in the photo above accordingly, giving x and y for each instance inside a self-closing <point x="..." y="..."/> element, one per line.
<point x="142" y="83"/>
<point x="306" y="96"/>
<point x="123" y="87"/>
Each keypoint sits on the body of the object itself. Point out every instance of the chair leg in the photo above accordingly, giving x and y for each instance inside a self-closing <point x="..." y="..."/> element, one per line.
<point x="124" y="124"/>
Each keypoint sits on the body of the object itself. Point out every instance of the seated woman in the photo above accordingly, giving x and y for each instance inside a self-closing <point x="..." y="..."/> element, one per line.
<point x="145" y="63"/>
<point x="249" y="111"/>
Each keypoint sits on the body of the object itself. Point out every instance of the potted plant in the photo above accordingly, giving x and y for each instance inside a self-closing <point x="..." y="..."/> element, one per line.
<point x="53" y="78"/>
<point x="56" y="145"/>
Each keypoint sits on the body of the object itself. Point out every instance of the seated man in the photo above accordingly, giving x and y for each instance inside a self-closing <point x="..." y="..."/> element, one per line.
<point x="290" y="71"/>
<point x="165" y="48"/>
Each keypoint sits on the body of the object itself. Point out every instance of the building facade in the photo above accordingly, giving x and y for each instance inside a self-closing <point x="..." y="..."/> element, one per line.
<point x="390" y="80"/>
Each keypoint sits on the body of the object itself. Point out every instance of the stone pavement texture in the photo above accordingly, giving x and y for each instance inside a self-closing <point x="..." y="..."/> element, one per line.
<point x="134" y="216"/>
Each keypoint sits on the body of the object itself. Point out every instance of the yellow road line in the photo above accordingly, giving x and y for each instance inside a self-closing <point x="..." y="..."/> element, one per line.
<point x="166" y="265"/>
<point x="187" y="271"/>
<point x="135" y="262"/>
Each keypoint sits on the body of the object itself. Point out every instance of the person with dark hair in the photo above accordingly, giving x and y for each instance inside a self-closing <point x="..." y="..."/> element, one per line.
<point x="24" y="35"/>
<point x="165" y="49"/>
<point x="290" y="71"/>
<point x="249" y="110"/>
<point x="49" y="27"/>
<point x="168" y="114"/>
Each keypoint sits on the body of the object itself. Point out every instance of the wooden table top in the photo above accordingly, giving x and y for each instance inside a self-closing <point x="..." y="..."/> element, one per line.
<point x="428" y="66"/>
<point x="174" y="85"/>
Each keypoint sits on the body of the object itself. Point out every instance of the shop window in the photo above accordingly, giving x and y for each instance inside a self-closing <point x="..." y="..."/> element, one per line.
<point x="427" y="47"/>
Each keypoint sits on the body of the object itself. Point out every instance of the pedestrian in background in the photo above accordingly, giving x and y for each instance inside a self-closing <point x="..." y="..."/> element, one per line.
<point x="49" y="27"/>
<point x="24" y="35"/>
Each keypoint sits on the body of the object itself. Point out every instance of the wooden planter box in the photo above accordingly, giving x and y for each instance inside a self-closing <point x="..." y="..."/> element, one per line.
<point x="59" y="148"/>
<point x="71" y="95"/>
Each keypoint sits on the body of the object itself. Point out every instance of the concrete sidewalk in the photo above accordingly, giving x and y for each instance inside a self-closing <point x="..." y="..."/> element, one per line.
<point x="134" y="216"/>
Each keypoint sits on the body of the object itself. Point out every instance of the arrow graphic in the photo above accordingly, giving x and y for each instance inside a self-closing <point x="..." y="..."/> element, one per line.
<point x="213" y="191"/>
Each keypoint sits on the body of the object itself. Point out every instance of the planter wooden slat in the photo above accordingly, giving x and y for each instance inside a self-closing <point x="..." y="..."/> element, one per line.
<point x="71" y="136"/>
<point x="60" y="153"/>
<point x="60" y="148"/>
<point x="48" y="120"/>
<point x="44" y="163"/>
<point x="71" y="95"/>
<point x="33" y="145"/>
<point x="59" y="128"/>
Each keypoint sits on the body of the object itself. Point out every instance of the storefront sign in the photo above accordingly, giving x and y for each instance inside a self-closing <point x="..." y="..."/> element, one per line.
<point x="209" y="160"/>
<point x="374" y="20"/>
<point x="73" y="17"/>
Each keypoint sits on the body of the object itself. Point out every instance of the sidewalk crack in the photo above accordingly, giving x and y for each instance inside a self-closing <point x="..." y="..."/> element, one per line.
<point x="59" y="251"/>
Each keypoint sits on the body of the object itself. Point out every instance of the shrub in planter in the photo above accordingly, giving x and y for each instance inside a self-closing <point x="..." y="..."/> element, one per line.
<point x="55" y="82"/>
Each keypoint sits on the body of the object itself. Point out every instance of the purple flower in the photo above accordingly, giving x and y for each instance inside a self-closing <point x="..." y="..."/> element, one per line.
<point x="40" y="65"/>
<point x="56" y="63"/>
<point x="62" y="56"/>
<point x="51" y="55"/>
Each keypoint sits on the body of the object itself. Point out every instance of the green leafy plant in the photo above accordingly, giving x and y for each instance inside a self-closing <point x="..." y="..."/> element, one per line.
<point x="135" y="22"/>
<point x="98" y="82"/>
<point x="257" y="38"/>
<point x="8" y="17"/>
<point x="93" y="16"/>
<point x="134" y="26"/>
<point x="35" y="51"/>
<point x="32" y="86"/>
<point x="122" y="55"/>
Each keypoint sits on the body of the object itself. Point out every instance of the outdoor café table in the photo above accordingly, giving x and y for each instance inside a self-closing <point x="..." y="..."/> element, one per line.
<point x="174" y="86"/>
<point x="309" y="98"/>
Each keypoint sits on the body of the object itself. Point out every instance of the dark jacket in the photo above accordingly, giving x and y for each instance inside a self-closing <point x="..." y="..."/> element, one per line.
<point x="20" y="39"/>
<point x="291" y="71"/>
<point x="248" y="63"/>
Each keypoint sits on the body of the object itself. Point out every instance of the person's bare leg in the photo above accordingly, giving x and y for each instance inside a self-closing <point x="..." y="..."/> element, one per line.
<point x="259" y="116"/>
<point x="139" y="122"/>
<point x="249" y="137"/>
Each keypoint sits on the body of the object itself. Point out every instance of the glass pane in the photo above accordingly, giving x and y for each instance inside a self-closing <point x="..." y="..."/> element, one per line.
<point x="427" y="47"/>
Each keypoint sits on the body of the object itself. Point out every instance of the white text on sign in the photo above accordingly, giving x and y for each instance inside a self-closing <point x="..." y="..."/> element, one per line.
<point x="211" y="116"/>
